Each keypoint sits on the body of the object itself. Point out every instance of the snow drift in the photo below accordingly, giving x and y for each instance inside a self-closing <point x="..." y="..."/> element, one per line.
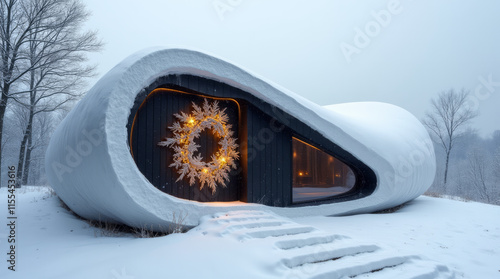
<point x="88" y="161"/>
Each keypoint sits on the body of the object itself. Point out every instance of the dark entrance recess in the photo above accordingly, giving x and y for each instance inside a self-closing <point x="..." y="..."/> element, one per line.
<point x="150" y="126"/>
<point x="265" y="135"/>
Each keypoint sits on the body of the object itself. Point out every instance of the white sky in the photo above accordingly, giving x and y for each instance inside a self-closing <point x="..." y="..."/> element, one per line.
<point x="424" y="48"/>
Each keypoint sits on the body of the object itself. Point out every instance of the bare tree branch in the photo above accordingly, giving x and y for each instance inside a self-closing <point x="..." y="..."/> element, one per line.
<point x="447" y="120"/>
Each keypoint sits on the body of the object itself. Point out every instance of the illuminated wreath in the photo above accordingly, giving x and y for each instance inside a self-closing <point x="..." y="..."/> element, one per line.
<point x="183" y="143"/>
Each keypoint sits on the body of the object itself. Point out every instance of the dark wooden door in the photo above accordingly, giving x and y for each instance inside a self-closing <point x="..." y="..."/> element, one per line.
<point x="151" y="125"/>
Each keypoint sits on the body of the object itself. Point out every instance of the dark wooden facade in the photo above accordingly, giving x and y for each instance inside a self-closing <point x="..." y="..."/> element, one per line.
<point x="150" y="127"/>
<point x="264" y="173"/>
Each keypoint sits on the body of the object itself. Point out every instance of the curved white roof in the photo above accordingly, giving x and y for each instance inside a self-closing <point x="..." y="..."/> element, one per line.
<point x="89" y="165"/>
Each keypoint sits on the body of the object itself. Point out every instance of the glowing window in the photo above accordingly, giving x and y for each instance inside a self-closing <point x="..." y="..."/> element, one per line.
<point x="318" y="175"/>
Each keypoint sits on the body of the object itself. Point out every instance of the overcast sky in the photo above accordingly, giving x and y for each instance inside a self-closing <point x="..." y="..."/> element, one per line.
<point x="401" y="52"/>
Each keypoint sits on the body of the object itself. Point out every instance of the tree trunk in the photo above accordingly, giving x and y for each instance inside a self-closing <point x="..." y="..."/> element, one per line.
<point x="28" y="151"/>
<point x="446" y="168"/>
<point x="3" y="107"/>
<point x="29" y="131"/>
<point x="21" y="161"/>
<point x="6" y="73"/>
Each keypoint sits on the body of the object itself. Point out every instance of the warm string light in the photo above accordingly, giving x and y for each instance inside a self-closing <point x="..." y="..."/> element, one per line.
<point x="187" y="130"/>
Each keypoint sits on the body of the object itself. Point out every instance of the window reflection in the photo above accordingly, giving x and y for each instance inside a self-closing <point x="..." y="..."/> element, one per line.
<point x="318" y="175"/>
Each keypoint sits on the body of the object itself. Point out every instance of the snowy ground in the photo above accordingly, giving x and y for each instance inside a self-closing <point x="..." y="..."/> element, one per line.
<point x="433" y="237"/>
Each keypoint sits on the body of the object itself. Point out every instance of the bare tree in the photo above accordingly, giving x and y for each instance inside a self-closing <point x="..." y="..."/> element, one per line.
<point x="17" y="21"/>
<point x="56" y="52"/>
<point x="447" y="119"/>
<point x="496" y="165"/>
<point x="478" y="173"/>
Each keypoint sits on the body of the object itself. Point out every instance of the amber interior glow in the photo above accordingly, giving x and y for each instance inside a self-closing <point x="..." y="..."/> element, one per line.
<point x="318" y="175"/>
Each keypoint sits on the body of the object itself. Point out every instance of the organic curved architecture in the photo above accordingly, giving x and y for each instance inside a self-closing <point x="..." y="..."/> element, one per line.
<point x="174" y="131"/>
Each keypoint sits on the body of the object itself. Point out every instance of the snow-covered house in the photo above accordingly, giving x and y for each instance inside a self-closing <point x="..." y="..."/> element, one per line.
<point x="173" y="130"/>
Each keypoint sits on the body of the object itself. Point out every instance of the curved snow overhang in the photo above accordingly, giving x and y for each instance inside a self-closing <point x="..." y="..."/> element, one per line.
<point x="89" y="164"/>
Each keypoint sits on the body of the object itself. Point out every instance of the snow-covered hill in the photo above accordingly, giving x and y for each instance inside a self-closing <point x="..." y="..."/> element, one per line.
<point x="432" y="237"/>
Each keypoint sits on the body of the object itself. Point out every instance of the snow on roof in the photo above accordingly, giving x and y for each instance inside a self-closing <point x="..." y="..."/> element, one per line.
<point x="89" y="165"/>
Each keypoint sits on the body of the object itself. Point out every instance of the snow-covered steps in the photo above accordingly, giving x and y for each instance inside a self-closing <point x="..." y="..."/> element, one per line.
<point x="324" y="254"/>
<point x="298" y="251"/>
<point x="411" y="269"/>
<point x="309" y="241"/>
<point x="280" y="232"/>
<point x="378" y="265"/>
<point x="356" y="265"/>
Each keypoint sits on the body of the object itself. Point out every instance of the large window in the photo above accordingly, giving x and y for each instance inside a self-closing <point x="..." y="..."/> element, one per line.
<point x="318" y="175"/>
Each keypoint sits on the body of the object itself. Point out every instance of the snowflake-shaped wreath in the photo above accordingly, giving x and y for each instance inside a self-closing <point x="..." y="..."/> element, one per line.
<point x="184" y="146"/>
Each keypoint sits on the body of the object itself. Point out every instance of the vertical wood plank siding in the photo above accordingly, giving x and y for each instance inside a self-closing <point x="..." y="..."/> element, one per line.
<point x="264" y="133"/>
<point x="153" y="161"/>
